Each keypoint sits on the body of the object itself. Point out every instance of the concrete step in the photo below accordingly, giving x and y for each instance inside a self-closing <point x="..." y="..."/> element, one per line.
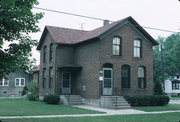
<point x="114" y="102"/>
<point x="74" y="100"/>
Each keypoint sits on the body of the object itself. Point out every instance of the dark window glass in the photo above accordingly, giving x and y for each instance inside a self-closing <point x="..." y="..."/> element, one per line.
<point x="44" y="78"/>
<point x="125" y="76"/>
<point x="141" y="77"/>
<point x="66" y="79"/>
<point x="44" y="54"/>
<point x="50" y="77"/>
<point x="51" y="52"/>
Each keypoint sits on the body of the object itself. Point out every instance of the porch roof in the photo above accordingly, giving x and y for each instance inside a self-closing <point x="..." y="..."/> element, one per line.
<point x="70" y="67"/>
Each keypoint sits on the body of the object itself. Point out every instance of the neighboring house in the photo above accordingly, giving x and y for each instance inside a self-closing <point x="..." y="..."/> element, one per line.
<point x="113" y="60"/>
<point x="172" y="85"/>
<point x="13" y="84"/>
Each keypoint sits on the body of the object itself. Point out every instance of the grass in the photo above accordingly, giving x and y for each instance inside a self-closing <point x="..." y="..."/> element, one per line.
<point x="166" y="117"/>
<point x="175" y="98"/>
<point x="22" y="107"/>
<point x="159" y="108"/>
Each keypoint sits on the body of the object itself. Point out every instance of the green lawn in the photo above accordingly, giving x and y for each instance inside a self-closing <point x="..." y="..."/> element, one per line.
<point x="21" y="107"/>
<point x="159" y="108"/>
<point x="167" y="117"/>
<point x="175" y="98"/>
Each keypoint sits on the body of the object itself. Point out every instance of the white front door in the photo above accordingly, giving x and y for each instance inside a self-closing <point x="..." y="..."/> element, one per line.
<point x="66" y="82"/>
<point x="107" y="82"/>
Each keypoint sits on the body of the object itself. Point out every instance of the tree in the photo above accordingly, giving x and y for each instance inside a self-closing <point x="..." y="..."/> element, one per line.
<point x="16" y="22"/>
<point x="170" y="65"/>
<point x="158" y="90"/>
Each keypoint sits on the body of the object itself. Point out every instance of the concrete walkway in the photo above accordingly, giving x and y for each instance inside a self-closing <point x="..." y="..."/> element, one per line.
<point x="107" y="112"/>
<point x="174" y="101"/>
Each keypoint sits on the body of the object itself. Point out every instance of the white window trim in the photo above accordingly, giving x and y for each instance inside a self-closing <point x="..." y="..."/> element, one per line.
<point x="20" y="82"/>
<point x="3" y="82"/>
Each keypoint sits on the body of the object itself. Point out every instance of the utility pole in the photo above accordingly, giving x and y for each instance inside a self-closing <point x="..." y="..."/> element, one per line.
<point x="162" y="65"/>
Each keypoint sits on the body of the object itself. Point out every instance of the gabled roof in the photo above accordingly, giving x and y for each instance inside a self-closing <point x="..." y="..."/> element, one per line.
<point x="73" y="36"/>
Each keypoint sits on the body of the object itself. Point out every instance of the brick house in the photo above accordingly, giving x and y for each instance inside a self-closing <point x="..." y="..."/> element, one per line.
<point x="113" y="60"/>
<point x="13" y="84"/>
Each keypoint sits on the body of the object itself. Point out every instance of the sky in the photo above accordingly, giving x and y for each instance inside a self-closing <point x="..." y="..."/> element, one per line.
<point x="162" y="14"/>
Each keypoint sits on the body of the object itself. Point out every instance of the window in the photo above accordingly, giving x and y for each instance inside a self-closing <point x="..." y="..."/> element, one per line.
<point x="19" y="81"/>
<point x="141" y="77"/>
<point x="51" y="52"/>
<point x="4" y="82"/>
<point x="50" y="77"/>
<point x="125" y="76"/>
<point x="44" y="78"/>
<point x="137" y="48"/>
<point x="176" y="85"/>
<point x="44" y="54"/>
<point x="116" y="46"/>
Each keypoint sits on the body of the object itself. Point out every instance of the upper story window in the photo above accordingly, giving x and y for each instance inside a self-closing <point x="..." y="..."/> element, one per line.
<point x="125" y="76"/>
<point x="116" y="45"/>
<point x="19" y="81"/>
<point x="137" y="48"/>
<point x="51" y="52"/>
<point x="4" y="82"/>
<point x="141" y="77"/>
<point x="44" y="53"/>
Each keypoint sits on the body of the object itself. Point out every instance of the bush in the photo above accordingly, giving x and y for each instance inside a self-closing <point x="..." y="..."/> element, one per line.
<point x="157" y="100"/>
<point x="51" y="99"/>
<point x="25" y="91"/>
<point x="158" y="90"/>
<point x="32" y="97"/>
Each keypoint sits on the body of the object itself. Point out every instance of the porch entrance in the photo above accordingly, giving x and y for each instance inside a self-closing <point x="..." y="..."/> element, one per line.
<point x="66" y="82"/>
<point x="107" y="82"/>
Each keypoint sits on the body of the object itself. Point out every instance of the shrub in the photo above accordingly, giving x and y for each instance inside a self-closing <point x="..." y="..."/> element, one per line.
<point x="32" y="97"/>
<point x="51" y="99"/>
<point x="25" y="91"/>
<point x="158" y="90"/>
<point x="157" y="100"/>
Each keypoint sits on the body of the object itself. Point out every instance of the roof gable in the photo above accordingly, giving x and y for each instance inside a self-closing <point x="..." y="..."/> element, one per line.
<point x="73" y="36"/>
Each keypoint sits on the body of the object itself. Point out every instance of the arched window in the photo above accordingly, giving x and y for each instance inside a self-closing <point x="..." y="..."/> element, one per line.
<point x="116" y="46"/>
<point x="44" y="53"/>
<point x="51" y="52"/>
<point x="125" y="76"/>
<point x="141" y="77"/>
<point x="137" y="48"/>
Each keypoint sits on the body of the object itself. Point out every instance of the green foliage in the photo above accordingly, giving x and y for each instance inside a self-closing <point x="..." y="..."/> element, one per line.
<point x="16" y="22"/>
<point x="32" y="97"/>
<point x="157" y="100"/>
<point x="51" y="99"/>
<point x="168" y="63"/>
<point x="33" y="88"/>
<point x="158" y="90"/>
<point x="25" y="90"/>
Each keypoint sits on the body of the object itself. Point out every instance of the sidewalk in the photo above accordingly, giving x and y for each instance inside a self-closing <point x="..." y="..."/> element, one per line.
<point x="107" y="113"/>
<point x="174" y="101"/>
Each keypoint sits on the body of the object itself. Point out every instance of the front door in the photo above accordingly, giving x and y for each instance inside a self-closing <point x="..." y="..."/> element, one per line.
<point x="107" y="82"/>
<point x="66" y="82"/>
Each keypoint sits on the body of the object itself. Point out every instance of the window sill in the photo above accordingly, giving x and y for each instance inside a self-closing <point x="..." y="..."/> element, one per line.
<point x="137" y="58"/>
<point x="142" y="89"/>
<point x="116" y="56"/>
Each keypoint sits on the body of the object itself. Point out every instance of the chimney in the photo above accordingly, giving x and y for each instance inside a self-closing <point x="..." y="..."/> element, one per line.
<point x="106" y="22"/>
